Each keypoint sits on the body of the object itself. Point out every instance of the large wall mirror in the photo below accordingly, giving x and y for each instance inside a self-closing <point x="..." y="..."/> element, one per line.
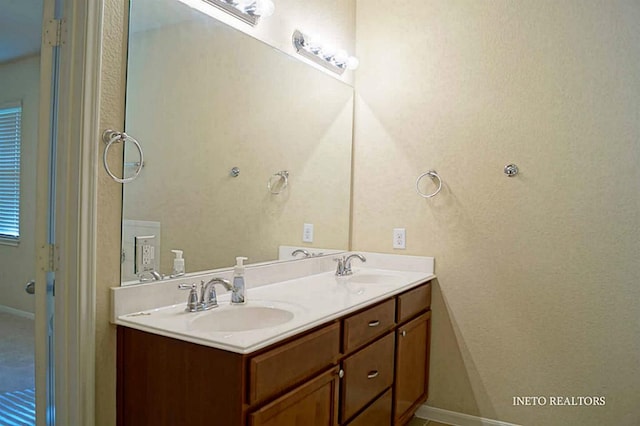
<point x="204" y="98"/>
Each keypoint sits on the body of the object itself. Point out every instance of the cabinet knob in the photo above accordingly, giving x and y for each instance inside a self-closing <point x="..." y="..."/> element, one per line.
<point x="374" y="323"/>
<point x="403" y="333"/>
<point x="373" y="374"/>
<point x="341" y="373"/>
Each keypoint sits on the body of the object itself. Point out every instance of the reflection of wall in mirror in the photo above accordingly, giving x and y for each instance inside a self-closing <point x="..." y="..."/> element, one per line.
<point x="237" y="103"/>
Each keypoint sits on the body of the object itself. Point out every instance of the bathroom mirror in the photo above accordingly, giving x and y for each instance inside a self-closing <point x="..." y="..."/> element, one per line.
<point x="205" y="100"/>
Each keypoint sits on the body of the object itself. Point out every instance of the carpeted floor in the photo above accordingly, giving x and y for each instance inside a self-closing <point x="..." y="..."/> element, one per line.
<point x="18" y="408"/>
<point x="17" y="381"/>
<point x="16" y="353"/>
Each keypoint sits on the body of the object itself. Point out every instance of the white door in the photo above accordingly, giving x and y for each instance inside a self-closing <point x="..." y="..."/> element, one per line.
<point x="28" y="70"/>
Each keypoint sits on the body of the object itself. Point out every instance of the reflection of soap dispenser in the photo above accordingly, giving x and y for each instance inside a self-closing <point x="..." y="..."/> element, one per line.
<point x="238" y="294"/>
<point x="178" y="264"/>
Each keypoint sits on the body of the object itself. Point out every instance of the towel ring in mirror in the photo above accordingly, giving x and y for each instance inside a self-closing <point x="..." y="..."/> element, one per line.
<point x="111" y="137"/>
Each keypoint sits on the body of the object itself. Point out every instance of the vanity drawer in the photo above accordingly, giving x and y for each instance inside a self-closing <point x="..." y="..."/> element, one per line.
<point x="413" y="302"/>
<point x="366" y="325"/>
<point x="367" y="374"/>
<point x="287" y="365"/>
<point x="377" y="414"/>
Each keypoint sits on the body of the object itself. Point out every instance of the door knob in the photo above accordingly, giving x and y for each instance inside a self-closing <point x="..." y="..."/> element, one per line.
<point x="30" y="287"/>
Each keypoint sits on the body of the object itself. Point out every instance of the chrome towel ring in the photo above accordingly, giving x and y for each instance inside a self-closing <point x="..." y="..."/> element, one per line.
<point x="434" y="176"/>
<point x="111" y="137"/>
<point x="281" y="177"/>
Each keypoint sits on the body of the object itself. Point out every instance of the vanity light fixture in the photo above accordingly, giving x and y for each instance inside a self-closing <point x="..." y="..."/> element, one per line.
<point x="324" y="54"/>
<point x="247" y="11"/>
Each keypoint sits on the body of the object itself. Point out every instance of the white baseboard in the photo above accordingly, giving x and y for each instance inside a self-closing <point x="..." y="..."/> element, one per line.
<point x="456" y="419"/>
<point x="17" y="312"/>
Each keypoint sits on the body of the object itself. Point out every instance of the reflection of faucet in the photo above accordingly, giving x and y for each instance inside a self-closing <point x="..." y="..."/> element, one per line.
<point x="344" y="264"/>
<point x="154" y="274"/>
<point x="303" y="251"/>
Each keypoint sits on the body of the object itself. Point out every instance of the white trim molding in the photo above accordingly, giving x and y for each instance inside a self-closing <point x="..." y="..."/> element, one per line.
<point x="17" y="312"/>
<point x="76" y="210"/>
<point x="456" y="419"/>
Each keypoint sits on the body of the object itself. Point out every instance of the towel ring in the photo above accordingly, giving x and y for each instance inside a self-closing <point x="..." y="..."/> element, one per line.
<point x="111" y="137"/>
<point x="282" y="176"/>
<point x="433" y="175"/>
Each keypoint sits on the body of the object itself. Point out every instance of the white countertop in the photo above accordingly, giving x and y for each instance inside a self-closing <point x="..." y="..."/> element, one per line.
<point x="313" y="300"/>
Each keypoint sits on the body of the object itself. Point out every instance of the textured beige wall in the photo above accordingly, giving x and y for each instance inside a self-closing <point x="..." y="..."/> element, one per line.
<point x="109" y="209"/>
<point x="110" y="193"/>
<point x="240" y="103"/>
<point x="538" y="274"/>
<point x="19" y="81"/>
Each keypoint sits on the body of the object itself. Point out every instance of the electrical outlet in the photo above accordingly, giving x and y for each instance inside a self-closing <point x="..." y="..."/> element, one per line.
<point x="399" y="238"/>
<point x="307" y="233"/>
<point x="145" y="254"/>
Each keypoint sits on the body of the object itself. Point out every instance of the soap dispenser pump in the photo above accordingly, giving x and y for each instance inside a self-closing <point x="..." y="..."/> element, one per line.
<point x="238" y="293"/>
<point x="178" y="264"/>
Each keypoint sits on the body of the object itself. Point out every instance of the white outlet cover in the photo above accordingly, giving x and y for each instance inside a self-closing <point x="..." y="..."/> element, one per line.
<point x="307" y="233"/>
<point x="399" y="238"/>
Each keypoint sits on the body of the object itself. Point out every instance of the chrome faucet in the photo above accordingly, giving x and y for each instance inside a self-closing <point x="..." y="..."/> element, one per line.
<point x="344" y="264"/>
<point x="303" y="251"/>
<point x="208" y="298"/>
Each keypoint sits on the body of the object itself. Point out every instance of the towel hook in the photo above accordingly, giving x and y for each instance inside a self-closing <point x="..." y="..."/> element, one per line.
<point x="434" y="176"/>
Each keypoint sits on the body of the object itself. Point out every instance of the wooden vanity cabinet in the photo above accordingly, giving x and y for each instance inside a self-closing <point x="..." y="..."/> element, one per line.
<point x="412" y="367"/>
<point x="413" y="339"/>
<point x="369" y="368"/>
<point x="314" y="404"/>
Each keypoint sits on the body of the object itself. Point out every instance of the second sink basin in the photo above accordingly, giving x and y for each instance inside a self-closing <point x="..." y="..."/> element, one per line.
<point x="240" y="318"/>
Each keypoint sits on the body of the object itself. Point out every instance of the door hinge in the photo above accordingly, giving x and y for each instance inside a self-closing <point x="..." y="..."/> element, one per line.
<point x="55" y="32"/>
<point x="49" y="258"/>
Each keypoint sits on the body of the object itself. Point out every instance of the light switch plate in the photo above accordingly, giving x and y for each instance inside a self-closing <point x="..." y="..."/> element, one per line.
<point x="145" y="253"/>
<point x="399" y="238"/>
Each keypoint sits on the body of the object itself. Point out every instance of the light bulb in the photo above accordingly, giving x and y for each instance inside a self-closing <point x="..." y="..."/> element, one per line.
<point x="312" y="44"/>
<point x="328" y="52"/>
<point x="240" y="4"/>
<point x="341" y="57"/>
<point x="265" y="8"/>
<point x="352" y="63"/>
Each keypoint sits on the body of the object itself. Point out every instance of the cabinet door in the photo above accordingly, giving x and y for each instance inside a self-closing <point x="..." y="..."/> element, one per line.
<point x="312" y="404"/>
<point x="412" y="367"/>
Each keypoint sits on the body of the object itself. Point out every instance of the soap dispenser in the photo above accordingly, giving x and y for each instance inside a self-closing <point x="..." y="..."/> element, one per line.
<point x="238" y="293"/>
<point x="178" y="264"/>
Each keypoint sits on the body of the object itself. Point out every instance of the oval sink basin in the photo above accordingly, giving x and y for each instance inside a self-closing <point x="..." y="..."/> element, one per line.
<point x="240" y="318"/>
<point x="372" y="278"/>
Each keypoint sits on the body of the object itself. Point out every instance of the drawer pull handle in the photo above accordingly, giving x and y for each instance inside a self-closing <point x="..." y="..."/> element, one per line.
<point x="403" y="333"/>
<point x="373" y="374"/>
<point x="374" y="323"/>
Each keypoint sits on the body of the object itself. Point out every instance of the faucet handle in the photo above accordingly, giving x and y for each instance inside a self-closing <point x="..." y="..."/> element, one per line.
<point x="340" y="267"/>
<point x="192" y="299"/>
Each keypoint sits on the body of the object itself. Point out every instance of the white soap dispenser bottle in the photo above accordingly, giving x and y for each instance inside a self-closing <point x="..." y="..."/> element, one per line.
<point x="238" y="294"/>
<point x="178" y="264"/>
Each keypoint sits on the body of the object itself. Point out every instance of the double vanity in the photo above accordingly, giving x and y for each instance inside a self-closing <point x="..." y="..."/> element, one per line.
<point x="308" y="348"/>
